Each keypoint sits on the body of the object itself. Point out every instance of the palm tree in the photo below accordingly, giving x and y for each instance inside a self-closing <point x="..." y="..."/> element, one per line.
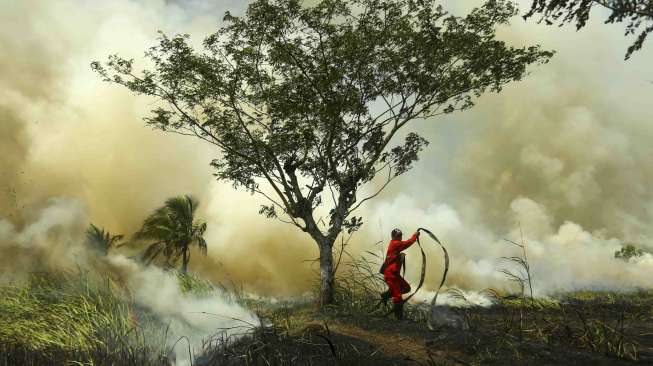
<point x="173" y="229"/>
<point x="101" y="240"/>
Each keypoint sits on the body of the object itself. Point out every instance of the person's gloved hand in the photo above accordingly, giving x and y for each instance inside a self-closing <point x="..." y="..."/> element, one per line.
<point x="417" y="233"/>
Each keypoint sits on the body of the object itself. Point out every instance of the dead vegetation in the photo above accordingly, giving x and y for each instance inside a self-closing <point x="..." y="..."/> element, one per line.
<point x="587" y="327"/>
<point x="598" y="328"/>
<point x="607" y="329"/>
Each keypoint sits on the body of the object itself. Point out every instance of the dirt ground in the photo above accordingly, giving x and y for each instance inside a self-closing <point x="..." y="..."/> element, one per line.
<point x="596" y="332"/>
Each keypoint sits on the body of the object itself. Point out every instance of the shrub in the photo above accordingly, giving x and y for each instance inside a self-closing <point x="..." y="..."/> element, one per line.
<point x="628" y="251"/>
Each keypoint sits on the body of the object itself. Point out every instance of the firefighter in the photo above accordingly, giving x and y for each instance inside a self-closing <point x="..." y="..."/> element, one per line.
<point x="391" y="268"/>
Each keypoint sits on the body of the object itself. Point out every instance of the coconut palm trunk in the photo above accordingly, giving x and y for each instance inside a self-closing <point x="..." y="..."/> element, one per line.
<point x="185" y="259"/>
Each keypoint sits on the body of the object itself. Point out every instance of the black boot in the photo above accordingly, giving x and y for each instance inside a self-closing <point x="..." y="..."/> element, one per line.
<point x="399" y="310"/>
<point x="385" y="296"/>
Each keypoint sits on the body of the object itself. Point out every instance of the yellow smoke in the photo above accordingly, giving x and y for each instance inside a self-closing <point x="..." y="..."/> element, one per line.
<point x="565" y="154"/>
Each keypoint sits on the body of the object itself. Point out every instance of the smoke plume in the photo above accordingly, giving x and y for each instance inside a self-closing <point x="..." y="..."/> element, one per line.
<point x="54" y="240"/>
<point x="561" y="158"/>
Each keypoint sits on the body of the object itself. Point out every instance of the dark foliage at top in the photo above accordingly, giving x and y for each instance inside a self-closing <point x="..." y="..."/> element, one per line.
<point x="636" y="14"/>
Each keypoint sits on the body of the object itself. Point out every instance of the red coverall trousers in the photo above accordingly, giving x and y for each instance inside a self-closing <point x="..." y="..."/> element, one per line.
<point x="398" y="286"/>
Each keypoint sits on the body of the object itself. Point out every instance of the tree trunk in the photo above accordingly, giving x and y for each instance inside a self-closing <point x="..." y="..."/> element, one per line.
<point x="184" y="261"/>
<point x="327" y="280"/>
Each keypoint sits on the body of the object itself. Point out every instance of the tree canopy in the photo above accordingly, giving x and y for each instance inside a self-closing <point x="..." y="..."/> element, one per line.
<point x="628" y="251"/>
<point x="305" y="102"/>
<point x="636" y="14"/>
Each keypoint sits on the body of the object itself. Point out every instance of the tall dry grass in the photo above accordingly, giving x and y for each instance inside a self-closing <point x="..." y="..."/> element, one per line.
<point x="60" y="318"/>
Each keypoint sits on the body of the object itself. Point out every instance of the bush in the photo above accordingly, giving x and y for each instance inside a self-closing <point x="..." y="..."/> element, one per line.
<point x="628" y="251"/>
<point x="359" y="286"/>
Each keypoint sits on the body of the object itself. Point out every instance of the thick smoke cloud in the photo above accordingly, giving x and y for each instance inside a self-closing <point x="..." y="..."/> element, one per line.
<point x="45" y="242"/>
<point x="563" y="154"/>
<point x="13" y="149"/>
<point x="54" y="240"/>
<point x="64" y="133"/>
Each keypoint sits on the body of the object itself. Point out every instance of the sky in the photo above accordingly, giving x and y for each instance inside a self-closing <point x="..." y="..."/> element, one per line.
<point x="560" y="160"/>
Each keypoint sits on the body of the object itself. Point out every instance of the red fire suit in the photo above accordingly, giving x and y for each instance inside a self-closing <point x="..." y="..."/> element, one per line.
<point x="392" y="264"/>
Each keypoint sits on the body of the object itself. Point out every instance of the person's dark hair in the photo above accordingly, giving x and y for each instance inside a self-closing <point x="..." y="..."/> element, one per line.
<point x="396" y="234"/>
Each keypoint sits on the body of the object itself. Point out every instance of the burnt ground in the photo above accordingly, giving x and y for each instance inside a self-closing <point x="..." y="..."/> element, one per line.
<point x="600" y="331"/>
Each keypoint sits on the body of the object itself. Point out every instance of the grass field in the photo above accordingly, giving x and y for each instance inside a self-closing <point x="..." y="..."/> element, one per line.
<point x="580" y="328"/>
<point x="587" y="328"/>
<point x="68" y="318"/>
<point x="73" y="319"/>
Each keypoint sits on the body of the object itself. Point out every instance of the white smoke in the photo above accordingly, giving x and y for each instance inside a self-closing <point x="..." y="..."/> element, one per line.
<point x="468" y="299"/>
<point x="565" y="154"/>
<point x="54" y="240"/>
<point x="562" y="258"/>
<point x="50" y="239"/>
<point x="562" y="155"/>
<point x="196" y="318"/>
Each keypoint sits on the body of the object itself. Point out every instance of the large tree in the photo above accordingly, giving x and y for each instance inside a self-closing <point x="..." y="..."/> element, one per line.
<point x="173" y="229"/>
<point x="636" y="14"/>
<point x="305" y="102"/>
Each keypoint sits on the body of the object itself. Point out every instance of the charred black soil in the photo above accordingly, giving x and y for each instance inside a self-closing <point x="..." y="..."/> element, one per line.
<point x="583" y="329"/>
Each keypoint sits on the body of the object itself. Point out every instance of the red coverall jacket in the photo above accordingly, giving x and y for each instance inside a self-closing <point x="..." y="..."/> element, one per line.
<point x="392" y="264"/>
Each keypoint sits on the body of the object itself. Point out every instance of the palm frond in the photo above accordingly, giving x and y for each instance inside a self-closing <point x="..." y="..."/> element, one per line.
<point x="174" y="225"/>
<point x="201" y="243"/>
<point x="100" y="239"/>
<point x="183" y="208"/>
<point x="152" y="252"/>
<point x="114" y="239"/>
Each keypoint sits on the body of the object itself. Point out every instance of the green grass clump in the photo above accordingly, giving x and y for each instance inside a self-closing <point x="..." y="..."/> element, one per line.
<point x="589" y="295"/>
<point x="535" y="303"/>
<point x="193" y="285"/>
<point x="68" y="318"/>
<point x="359" y="286"/>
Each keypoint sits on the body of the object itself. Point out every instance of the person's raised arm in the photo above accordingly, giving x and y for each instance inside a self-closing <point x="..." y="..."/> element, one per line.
<point x="407" y="243"/>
